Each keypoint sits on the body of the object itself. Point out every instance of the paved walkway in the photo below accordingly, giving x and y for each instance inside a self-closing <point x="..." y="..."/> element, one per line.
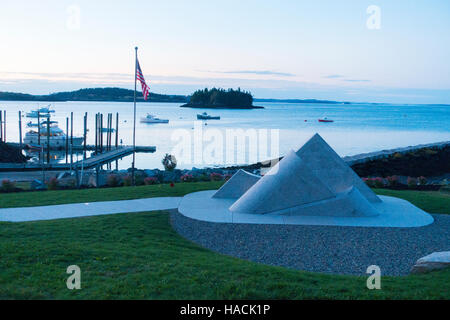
<point x="75" y="210"/>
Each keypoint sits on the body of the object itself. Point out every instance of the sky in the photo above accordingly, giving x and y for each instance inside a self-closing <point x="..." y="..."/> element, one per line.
<point x="367" y="51"/>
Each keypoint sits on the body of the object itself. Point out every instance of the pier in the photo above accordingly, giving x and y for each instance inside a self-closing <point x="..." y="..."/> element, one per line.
<point x="104" y="151"/>
<point x="88" y="163"/>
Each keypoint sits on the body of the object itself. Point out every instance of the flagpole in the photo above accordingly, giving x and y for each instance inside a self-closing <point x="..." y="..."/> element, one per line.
<point x="134" y="122"/>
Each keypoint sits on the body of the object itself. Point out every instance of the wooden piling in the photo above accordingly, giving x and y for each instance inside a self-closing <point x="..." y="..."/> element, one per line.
<point x="20" y="129"/>
<point x="4" y="125"/>
<point x="71" y="137"/>
<point x="117" y="130"/>
<point x="39" y="127"/>
<point x="48" y="140"/>
<point x="96" y="133"/>
<point x="84" y="135"/>
<point x="110" y="131"/>
<point x="1" y="126"/>
<point x="67" y="139"/>
<point x="101" y="132"/>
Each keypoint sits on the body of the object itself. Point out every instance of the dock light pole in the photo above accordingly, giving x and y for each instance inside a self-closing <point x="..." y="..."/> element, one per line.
<point x="134" y="120"/>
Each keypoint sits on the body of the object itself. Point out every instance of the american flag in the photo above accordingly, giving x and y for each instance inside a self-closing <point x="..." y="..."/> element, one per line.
<point x="140" y="77"/>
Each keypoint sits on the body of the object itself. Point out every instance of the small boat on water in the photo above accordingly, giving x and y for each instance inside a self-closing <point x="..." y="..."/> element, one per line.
<point x="152" y="119"/>
<point x="40" y="113"/>
<point x="325" y="120"/>
<point x="46" y="131"/>
<point x="206" y="116"/>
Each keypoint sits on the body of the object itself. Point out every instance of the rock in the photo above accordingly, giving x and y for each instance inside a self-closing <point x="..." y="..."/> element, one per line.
<point x="11" y="154"/>
<point x="37" y="185"/>
<point x="63" y="175"/>
<point x="434" y="261"/>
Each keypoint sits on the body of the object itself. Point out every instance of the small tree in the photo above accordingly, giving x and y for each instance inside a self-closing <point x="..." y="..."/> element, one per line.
<point x="127" y="180"/>
<point x="8" y="185"/>
<point x="169" y="162"/>
<point x="412" y="182"/>
<point x="113" y="180"/>
<point x="422" y="180"/>
<point x="216" y="176"/>
<point x="151" y="180"/>
<point x="53" y="184"/>
<point x="392" y="180"/>
<point x="378" y="182"/>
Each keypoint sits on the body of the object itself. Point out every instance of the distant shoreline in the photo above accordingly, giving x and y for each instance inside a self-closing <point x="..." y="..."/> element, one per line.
<point x="196" y="106"/>
<point x="125" y="95"/>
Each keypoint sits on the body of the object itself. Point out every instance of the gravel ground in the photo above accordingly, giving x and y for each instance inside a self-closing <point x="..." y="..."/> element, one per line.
<point x="328" y="249"/>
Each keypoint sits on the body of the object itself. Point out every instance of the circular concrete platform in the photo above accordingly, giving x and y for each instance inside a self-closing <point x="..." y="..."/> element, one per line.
<point x="393" y="212"/>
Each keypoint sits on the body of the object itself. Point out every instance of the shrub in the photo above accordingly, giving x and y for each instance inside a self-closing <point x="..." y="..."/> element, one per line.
<point x="216" y="176"/>
<point x="53" y="184"/>
<point x="422" y="180"/>
<point x="204" y="177"/>
<point x="8" y="185"/>
<point x="127" y="180"/>
<point x="139" y="179"/>
<point x="378" y="182"/>
<point x="72" y="183"/>
<point x="151" y="180"/>
<point x="227" y="176"/>
<point x="369" y="182"/>
<point x="392" y="181"/>
<point x="412" y="182"/>
<point x="113" y="180"/>
<point x="169" y="162"/>
<point x="187" y="178"/>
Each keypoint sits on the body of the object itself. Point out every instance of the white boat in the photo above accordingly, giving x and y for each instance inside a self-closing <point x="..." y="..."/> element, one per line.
<point x="152" y="119"/>
<point x="41" y="112"/>
<point x="40" y="131"/>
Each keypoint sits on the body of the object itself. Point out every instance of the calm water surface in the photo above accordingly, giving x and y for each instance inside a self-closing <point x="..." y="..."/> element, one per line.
<point x="357" y="128"/>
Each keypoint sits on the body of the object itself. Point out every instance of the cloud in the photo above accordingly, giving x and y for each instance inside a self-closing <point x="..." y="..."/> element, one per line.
<point x="333" y="76"/>
<point x="357" y="80"/>
<point x="258" y="72"/>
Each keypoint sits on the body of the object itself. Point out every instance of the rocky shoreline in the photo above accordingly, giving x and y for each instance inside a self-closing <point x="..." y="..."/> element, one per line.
<point x="10" y="154"/>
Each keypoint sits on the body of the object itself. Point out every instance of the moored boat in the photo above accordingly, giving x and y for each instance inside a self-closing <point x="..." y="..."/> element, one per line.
<point x="47" y="132"/>
<point x="206" y="116"/>
<point x="152" y="119"/>
<point x="325" y="120"/>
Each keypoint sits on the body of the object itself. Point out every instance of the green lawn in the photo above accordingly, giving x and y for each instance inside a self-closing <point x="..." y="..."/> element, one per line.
<point x="139" y="256"/>
<point x="42" y="198"/>
<point x="433" y="202"/>
<point x="429" y="201"/>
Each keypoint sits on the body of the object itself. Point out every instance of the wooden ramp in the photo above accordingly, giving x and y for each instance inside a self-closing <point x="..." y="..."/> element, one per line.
<point x="91" y="162"/>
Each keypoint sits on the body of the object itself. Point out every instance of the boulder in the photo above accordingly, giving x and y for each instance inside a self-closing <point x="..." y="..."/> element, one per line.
<point x="37" y="185"/>
<point x="11" y="154"/>
<point x="431" y="262"/>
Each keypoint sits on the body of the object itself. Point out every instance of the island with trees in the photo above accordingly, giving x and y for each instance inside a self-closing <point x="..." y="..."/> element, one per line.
<point x="218" y="98"/>
<point x="93" y="94"/>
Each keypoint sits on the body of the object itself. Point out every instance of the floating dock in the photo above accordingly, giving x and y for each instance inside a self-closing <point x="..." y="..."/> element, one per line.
<point x="91" y="162"/>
